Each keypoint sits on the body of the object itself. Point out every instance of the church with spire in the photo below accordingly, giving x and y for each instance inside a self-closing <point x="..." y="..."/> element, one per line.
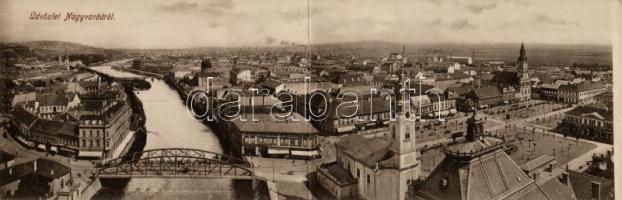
<point x="374" y="168"/>
<point x="516" y="79"/>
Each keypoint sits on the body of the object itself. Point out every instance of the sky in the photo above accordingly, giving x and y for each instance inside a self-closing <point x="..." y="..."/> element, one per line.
<point x="249" y="23"/>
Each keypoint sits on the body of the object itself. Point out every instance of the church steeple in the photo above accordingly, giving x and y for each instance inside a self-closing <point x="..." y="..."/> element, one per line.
<point x="522" y="57"/>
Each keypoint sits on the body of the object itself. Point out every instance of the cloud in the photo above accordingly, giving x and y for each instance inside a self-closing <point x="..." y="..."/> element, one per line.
<point x="180" y="6"/>
<point x="435" y="22"/>
<point x="519" y="2"/>
<point x="436" y="2"/>
<point x="461" y="24"/>
<point x="270" y="40"/>
<point x="212" y="7"/>
<point x="478" y="9"/>
<point x="545" y="19"/>
<point x="213" y="24"/>
<point x="296" y="14"/>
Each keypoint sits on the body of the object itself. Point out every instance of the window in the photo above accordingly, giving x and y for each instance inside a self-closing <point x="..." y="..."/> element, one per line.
<point x="358" y="173"/>
<point x="444" y="184"/>
<point x="393" y="132"/>
<point x="368" y="178"/>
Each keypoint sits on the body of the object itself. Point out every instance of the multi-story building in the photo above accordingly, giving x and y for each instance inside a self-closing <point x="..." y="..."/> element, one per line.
<point x="442" y="106"/>
<point x="422" y="106"/>
<point x="508" y="94"/>
<point x="52" y="104"/>
<point x="432" y="105"/>
<point x="276" y="137"/>
<point x="92" y="127"/>
<point x="590" y="123"/>
<point x="101" y="131"/>
<point x="342" y="117"/>
<point x="54" y="136"/>
<point x="485" y="96"/>
<point x="581" y="93"/>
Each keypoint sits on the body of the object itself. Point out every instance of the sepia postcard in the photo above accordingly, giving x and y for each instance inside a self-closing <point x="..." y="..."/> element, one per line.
<point x="310" y="99"/>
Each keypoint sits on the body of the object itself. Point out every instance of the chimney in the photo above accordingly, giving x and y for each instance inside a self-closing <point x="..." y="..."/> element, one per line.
<point x="595" y="190"/>
<point x="565" y="178"/>
<point x="550" y="168"/>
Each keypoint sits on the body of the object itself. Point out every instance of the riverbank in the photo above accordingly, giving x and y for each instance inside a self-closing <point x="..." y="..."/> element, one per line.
<point x="138" y="119"/>
<point x="169" y="126"/>
<point x="228" y="144"/>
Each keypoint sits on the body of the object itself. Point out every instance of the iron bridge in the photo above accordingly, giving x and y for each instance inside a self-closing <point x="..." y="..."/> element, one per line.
<point x="176" y="162"/>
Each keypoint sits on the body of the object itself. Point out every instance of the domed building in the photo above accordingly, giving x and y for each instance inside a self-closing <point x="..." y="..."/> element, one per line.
<point x="479" y="168"/>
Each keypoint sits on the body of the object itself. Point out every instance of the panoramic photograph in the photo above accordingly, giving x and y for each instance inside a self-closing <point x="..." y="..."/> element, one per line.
<point x="308" y="99"/>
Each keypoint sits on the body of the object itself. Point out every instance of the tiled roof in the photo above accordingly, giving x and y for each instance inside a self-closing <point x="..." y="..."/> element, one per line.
<point x="462" y="89"/>
<point x="49" y="127"/>
<point x="365" y="150"/>
<point x="52" y="100"/>
<point x="488" y="176"/>
<point x="555" y="189"/>
<point x="46" y="168"/>
<point x="475" y="146"/>
<point x="365" y="107"/>
<point x="584" y="86"/>
<point x="23" y="116"/>
<point x="586" y="110"/>
<point x="507" y="77"/>
<point x="486" y="92"/>
<point x="536" y="162"/>
<point x="341" y="175"/>
<point x="273" y="126"/>
<point x="582" y="185"/>
<point x="493" y="175"/>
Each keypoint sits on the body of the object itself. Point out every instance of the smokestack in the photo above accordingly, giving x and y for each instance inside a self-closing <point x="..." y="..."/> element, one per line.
<point x="595" y="190"/>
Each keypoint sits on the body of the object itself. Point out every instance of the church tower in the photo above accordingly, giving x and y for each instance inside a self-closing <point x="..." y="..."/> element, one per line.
<point x="522" y="58"/>
<point x="206" y="65"/>
<point x="403" y="145"/>
<point x="525" y="86"/>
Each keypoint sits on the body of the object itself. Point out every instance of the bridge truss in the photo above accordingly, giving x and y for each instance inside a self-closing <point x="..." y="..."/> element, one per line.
<point x="176" y="162"/>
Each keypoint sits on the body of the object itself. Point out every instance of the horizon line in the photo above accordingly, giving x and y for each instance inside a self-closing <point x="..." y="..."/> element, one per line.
<point x="294" y="45"/>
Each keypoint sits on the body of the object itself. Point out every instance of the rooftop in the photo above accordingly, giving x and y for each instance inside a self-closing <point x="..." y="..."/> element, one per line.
<point x="267" y="124"/>
<point x="341" y="175"/>
<point x="44" y="167"/>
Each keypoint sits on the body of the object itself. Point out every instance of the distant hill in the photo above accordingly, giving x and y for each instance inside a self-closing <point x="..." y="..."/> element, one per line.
<point x="61" y="48"/>
<point x="51" y="50"/>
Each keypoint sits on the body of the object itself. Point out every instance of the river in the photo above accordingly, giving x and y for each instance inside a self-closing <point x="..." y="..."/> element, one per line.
<point x="169" y="125"/>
